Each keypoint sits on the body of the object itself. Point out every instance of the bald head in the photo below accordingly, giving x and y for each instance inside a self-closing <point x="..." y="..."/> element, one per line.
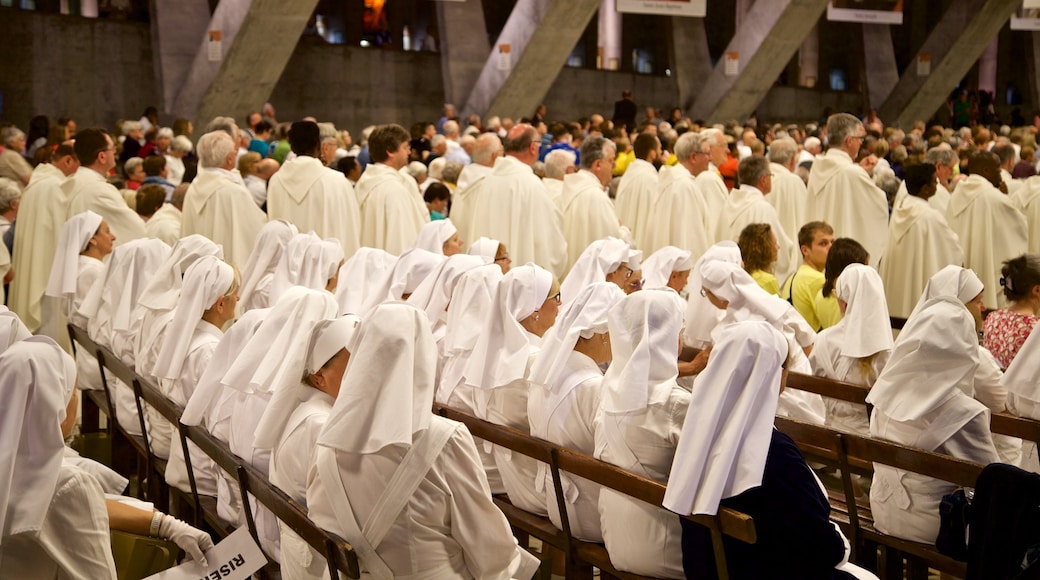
<point x="522" y="143"/>
<point x="266" y="168"/>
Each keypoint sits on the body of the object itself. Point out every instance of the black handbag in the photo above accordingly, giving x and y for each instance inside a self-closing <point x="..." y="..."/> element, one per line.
<point x="954" y="510"/>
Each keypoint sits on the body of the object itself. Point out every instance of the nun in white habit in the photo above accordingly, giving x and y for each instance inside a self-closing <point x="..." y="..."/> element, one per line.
<point x="207" y="303"/>
<point x="403" y="486"/>
<point x="496" y="387"/>
<point x="936" y="353"/>
<point x="730" y="455"/>
<point x="668" y="267"/>
<point x="640" y="417"/>
<point x="11" y="329"/>
<point x="856" y="349"/>
<point x="566" y="383"/>
<point x="84" y="242"/>
<point x="609" y="259"/>
<point x="492" y="250"/>
<point x="439" y="237"/>
<point x="701" y="316"/>
<point x="259" y="270"/>
<point x="290" y="426"/>
<point x="408" y="272"/>
<point x="361" y="276"/>
<point x="1023" y="392"/>
<point x="434" y="295"/>
<point x="288" y="272"/>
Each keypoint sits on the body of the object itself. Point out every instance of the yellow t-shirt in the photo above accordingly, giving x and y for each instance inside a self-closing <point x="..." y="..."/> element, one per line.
<point x="801" y="290"/>
<point x="827" y="310"/>
<point x="622" y="161"/>
<point x="767" y="281"/>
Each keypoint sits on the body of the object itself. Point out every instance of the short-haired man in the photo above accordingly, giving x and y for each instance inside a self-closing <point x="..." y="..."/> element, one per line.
<point x="1005" y="152"/>
<point x="942" y="158"/>
<point x="558" y="164"/>
<point x="747" y="205"/>
<point x="218" y="205"/>
<point x="921" y="242"/>
<point x="710" y="182"/>
<point x="588" y="213"/>
<point x="88" y="189"/>
<point x="801" y="288"/>
<point x="313" y="197"/>
<point x="842" y="194"/>
<point x="637" y="191"/>
<point x="788" y="195"/>
<point x="155" y="174"/>
<point x="392" y="209"/>
<point x="165" y="223"/>
<point x="486" y="149"/>
<point x="680" y="216"/>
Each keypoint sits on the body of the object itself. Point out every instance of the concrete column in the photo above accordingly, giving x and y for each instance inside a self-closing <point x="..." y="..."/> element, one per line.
<point x="809" y="59"/>
<point x="956" y="42"/>
<point x="743" y="7"/>
<point x="1032" y="61"/>
<point x="227" y="18"/>
<point x="517" y="33"/>
<point x="609" y="37"/>
<point x="988" y="66"/>
<point x="254" y="61"/>
<point x="466" y="51"/>
<point x="543" y="57"/>
<point x="177" y="26"/>
<point x="882" y="71"/>
<point x="765" y="43"/>
<point x="691" y="61"/>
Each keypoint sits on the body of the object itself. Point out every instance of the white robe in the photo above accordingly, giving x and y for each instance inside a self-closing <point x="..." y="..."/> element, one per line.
<point x="470" y="174"/>
<point x="681" y="216"/>
<point x="392" y="211"/>
<point x="165" y="224"/>
<point x="588" y="213"/>
<point x="316" y="198"/>
<point x="87" y="189"/>
<point x="746" y="205"/>
<point x="636" y="195"/>
<point x="89" y="271"/>
<point x="828" y="362"/>
<point x="939" y="202"/>
<point x="1027" y="201"/>
<point x="842" y="194"/>
<point x="174" y="170"/>
<point x="511" y="205"/>
<point x="553" y="187"/>
<point x="40" y="219"/>
<point x="922" y="243"/>
<point x="789" y="198"/>
<point x="715" y="192"/>
<point x="990" y="230"/>
<point x="219" y="206"/>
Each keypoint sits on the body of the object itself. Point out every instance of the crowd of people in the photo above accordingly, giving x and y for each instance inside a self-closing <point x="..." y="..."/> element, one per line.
<point x="635" y="292"/>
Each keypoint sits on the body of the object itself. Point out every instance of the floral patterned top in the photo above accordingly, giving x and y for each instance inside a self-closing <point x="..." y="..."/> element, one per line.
<point x="1004" y="333"/>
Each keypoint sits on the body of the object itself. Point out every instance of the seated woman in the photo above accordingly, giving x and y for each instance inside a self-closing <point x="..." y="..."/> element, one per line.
<point x="383" y="453"/>
<point x="404" y="277"/>
<point x="54" y="518"/>
<point x="668" y="267"/>
<point x="566" y="382"/>
<point x="843" y="252"/>
<point x="640" y="417"/>
<point x="440" y="237"/>
<point x="937" y="352"/>
<point x="730" y="455"/>
<point x="494" y="250"/>
<point x="759" y="248"/>
<point x="608" y="259"/>
<point x="856" y="349"/>
<point x="363" y="275"/>
<point x="259" y="269"/>
<point x="1006" y="329"/>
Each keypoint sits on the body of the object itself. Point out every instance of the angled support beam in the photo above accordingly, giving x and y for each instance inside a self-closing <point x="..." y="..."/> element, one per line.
<point x="691" y="61"/>
<point x="177" y="26"/>
<point x="765" y="41"/>
<point x="465" y="54"/>
<point x="882" y="70"/>
<point x="956" y="42"/>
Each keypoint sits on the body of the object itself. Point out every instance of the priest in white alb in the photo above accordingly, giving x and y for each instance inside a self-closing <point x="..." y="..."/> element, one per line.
<point x="392" y="211"/>
<point x="637" y="191"/>
<point x="710" y="182"/>
<point x="87" y="188"/>
<point x="680" y="217"/>
<point x="788" y="195"/>
<point x="588" y="213"/>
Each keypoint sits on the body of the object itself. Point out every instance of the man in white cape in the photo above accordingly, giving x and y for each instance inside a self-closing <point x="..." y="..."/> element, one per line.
<point x="165" y="223"/>
<point x="392" y="211"/>
<point x="681" y="217"/>
<point x="1026" y="199"/>
<point x="710" y="182"/>
<point x="588" y="214"/>
<point x="87" y="189"/>
<point x="637" y="191"/>
<point x="789" y="194"/>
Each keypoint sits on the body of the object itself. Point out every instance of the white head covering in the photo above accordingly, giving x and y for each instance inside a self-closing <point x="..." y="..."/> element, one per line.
<point x="321" y="261"/>
<point x="500" y="357"/>
<point x="286" y="331"/>
<point x="206" y="280"/>
<point x="725" y="438"/>
<point x="701" y="317"/>
<point x="486" y="247"/>
<point x="327" y="339"/>
<point x="955" y="281"/>
<point x="644" y="340"/>
<point x="599" y="259"/>
<point x="387" y="392"/>
<point x="75" y="235"/>
<point x="746" y="298"/>
<point x="433" y="235"/>
<point x="584" y="317"/>
<point x="434" y="293"/>
<point x="361" y="277"/>
<point x="111" y="301"/>
<point x="471" y="305"/>
<point x="1023" y="374"/>
<point x="658" y="268"/>
<point x="409" y="271"/>
<point x="165" y="286"/>
<point x="288" y="271"/>
<point x="934" y="358"/>
<point x="11" y="329"/>
<point x="36" y="380"/>
<point x="868" y="329"/>
<point x="267" y="252"/>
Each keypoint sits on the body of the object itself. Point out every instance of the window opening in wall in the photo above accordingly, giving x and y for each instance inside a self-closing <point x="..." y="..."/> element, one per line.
<point x="839" y="82"/>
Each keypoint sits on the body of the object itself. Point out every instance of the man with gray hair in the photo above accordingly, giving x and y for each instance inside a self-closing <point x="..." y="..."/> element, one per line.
<point x="841" y="193"/>
<point x="558" y="164"/>
<point x="637" y="191"/>
<point x="165" y="223"/>
<point x="943" y="159"/>
<point x="179" y="148"/>
<point x="811" y="147"/>
<point x="455" y="152"/>
<point x="329" y="143"/>
<point x="747" y="205"/>
<point x="217" y="205"/>
<point x="588" y="213"/>
<point x="486" y="149"/>
<point x="10" y="199"/>
<point x="788" y="196"/>
<point x="12" y="165"/>
<point x="680" y="216"/>
<point x="710" y="182"/>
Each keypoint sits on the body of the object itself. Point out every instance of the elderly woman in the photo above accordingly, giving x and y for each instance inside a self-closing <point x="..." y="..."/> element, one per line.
<point x="609" y="259"/>
<point x="494" y="250"/>
<point x="439" y="236"/>
<point x="12" y="165"/>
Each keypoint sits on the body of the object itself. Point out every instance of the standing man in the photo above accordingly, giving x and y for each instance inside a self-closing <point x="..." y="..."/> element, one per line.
<point x="637" y="191"/>
<point x="588" y="214"/>
<point x="625" y="111"/>
<point x="88" y="190"/>
<point x="680" y="216"/>
<point x="392" y="211"/>
<point x="788" y="196"/>
<point x="710" y="182"/>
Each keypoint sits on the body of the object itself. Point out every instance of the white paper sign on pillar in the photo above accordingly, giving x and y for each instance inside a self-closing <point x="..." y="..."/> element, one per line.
<point x="924" y="64"/>
<point x="732" y="64"/>
<point x="215" y="47"/>
<point x="505" y="56"/>
<point x="234" y="558"/>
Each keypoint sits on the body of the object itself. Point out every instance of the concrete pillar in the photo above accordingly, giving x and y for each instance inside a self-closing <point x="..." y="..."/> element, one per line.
<point x="516" y="34"/>
<point x="541" y="60"/>
<point x="265" y="37"/>
<point x="177" y="26"/>
<point x="1032" y="61"/>
<point x="466" y="51"/>
<point x="609" y="37"/>
<point x="955" y="43"/>
<point x="988" y="66"/>
<point x="809" y="59"/>
<point x="882" y="71"/>
<point x="691" y="61"/>
<point x="743" y="7"/>
<point x="765" y="43"/>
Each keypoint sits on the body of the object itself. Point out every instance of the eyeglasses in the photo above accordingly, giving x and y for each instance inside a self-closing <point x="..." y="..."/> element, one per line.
<point x="860" y="137"/>
<point x="704" y="293"/>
